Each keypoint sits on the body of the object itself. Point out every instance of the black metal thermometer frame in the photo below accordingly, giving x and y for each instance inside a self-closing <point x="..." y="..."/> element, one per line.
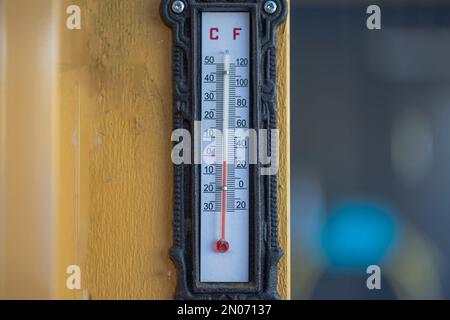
<point x="265" y="251"/>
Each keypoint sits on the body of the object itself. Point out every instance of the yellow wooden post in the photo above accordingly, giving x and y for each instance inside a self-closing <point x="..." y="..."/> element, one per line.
<point x="28" y="56"/>
<point x="283" y="118"/>
<point x="116" y="91"/>
<point x="110" y="147"/>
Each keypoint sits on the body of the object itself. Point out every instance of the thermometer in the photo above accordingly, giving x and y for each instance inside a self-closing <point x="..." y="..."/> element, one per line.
<point x="225" y="215"/>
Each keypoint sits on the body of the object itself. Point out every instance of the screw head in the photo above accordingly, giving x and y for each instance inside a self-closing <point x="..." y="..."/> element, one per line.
<point x="178" y="6"/>
<point x="270" y="7"/>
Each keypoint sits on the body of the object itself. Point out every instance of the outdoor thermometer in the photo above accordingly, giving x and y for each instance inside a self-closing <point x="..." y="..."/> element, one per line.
<point x="225" y="202"/>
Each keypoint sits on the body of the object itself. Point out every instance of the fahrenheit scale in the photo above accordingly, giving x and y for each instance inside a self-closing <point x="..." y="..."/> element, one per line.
<point x="225" y="220"/>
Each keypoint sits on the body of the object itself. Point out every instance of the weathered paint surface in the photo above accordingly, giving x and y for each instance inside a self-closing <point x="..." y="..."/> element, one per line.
<point x="116" y="86"/>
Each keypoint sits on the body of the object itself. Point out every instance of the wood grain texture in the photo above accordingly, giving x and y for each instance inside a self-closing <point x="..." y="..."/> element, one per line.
<point x="116" y="89"/>
<point x="115" y="171"/>
<point x="283" y="119"/>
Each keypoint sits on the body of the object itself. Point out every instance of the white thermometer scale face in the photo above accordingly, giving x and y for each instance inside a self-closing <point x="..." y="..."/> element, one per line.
<point x="224" y="212"/>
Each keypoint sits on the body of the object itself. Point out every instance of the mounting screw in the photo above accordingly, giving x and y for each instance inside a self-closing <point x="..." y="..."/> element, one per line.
<point x="178" y="6"/>
<point x="270" y="7"/>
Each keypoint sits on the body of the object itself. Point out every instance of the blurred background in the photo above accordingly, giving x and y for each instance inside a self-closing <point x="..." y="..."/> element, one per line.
<point x="370" y="150"/>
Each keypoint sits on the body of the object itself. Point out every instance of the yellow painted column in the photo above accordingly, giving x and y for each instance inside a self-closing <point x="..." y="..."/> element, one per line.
<point x="86" y="152"/>
<point x="116" y="119"/>
<point x="283" y="119"/>
<point x="28" y="60"/>
<point x="2" y="148"/>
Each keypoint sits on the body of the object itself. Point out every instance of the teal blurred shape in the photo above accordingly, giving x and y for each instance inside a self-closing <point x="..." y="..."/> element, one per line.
<point x="359" y="234"/>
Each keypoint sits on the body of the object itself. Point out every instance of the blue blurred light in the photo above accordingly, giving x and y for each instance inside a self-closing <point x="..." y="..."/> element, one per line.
<point x="359" y="234"/>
